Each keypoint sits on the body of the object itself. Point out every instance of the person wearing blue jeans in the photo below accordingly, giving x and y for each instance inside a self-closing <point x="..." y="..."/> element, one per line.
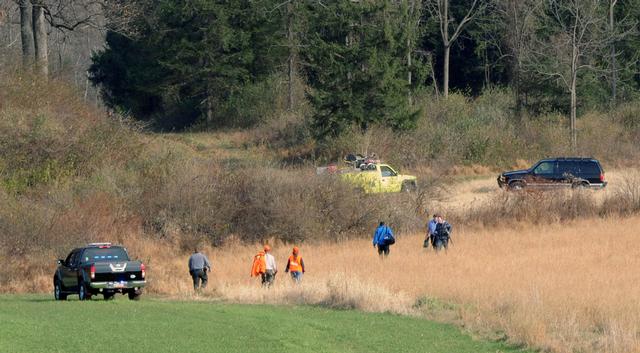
<point x="383" y="238"/>
<point x="431" y="232"/>
<point x="295" y="265"/>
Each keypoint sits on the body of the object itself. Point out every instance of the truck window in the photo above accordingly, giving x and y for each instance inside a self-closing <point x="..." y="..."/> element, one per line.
<point x="76" y="258"/>
<point x="387" y="172"/>
<point x="544" y="168"/>
<point x="70" y="260"/>
<point x="104" y="255"/>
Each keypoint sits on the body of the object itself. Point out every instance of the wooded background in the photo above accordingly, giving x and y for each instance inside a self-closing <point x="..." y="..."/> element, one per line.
<point x="339" y="64"/>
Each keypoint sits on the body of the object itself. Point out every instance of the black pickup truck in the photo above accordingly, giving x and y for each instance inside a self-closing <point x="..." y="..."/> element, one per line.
<point x="99" y="268"/>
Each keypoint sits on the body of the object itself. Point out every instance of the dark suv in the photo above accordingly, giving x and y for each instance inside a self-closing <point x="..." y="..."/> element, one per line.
<point x="556" y="173"/>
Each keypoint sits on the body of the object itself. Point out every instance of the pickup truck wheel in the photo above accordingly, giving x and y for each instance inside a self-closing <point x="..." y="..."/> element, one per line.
<point x="408" y="187"/>
<point x="135" y="295"/>
<point x="83" y="294"/>
<point x="516" y="185"/>
<point x="57" y="291"/>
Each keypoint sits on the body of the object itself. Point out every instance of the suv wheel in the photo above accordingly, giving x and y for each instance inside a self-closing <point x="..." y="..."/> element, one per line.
<point x="516" y="185"/>
<point x="135" y="294"/>
<point x="57" y="290"/>
<point x="83" y="294"/>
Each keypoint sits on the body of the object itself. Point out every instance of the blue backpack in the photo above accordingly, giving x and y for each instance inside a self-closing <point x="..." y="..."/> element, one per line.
<point x="387" y="238"/>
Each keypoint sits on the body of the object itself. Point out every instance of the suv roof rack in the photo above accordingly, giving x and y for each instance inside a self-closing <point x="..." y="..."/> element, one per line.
<point x="100" y="245"/>
<point x="569" y="159"/>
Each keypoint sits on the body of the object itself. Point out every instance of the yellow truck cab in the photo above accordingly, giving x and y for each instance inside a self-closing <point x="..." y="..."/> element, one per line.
<point x="378" y="177"/>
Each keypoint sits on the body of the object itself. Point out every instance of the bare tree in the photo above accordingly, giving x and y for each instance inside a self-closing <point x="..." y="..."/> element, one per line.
<point x="293" y="44"/>
<point x="613" y="69"/>
<point x="26" y="33"/>
<point x="579" y="37"/>
<point x="413" y="18"/>
<point x="439" y="9"/>
<point x="518" y="17"/>
<point x="38" y="18"/>
<point x="40" y="39"/>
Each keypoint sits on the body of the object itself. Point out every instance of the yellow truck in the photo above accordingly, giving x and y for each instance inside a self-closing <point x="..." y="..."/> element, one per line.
<point x="377" y="178"/>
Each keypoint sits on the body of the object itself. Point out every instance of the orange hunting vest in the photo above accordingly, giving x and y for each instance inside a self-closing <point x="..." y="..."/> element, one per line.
<point x="295" y="263"/>
<point x="259" y="264"/>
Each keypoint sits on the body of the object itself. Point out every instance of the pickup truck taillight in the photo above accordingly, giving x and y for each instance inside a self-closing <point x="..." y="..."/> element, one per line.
<point x="142" y="269"/>
<point x="92" y="272"/>
<point x="602" y="177"/>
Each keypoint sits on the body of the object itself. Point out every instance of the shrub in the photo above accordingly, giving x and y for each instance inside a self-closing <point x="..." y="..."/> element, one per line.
<point x="258" y="203"/>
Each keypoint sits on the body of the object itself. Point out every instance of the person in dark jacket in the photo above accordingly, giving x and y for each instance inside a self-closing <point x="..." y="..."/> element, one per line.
<point x="198" y="267"/>
<point x="442" y="234"/>
<point x="383" y="238"/>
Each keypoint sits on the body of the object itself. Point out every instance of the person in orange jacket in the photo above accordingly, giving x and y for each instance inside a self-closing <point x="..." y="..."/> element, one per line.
<point x="259" y="266"/>
<point x="295" y="265"/>
<point x="264" y="265"/>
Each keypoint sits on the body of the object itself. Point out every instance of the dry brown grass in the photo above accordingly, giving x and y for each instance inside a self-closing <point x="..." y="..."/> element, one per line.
<point x="565" y="288"/>
<point x="562" y="288"/>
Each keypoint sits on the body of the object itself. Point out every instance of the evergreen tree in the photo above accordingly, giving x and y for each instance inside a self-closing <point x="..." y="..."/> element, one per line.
<point x="190" y="59"/>
<point x="356" y="66"/>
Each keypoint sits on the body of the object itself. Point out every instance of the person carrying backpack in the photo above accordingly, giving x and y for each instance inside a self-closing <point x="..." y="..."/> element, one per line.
<point x="383" y="238"/>
<point x="442" y="234"/>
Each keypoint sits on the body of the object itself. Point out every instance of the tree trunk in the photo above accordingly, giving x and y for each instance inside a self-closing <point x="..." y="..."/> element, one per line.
<point x="447" y="48"/>
<point x="517" y="90"/>
<point x="209" y="107"/>
<point x="409" y="48"/>
<point x="409" y="78"/>
<point x="292" y="57"/>
<point x="26" y="34"/>
<point x="614" y="76"/>
<point x="574" y="134"/>
<point x="487" y="70"/>
<point x="614" y="73"/>
<point x="445" y="81"/>
<point x="433" y="76"/>
<point x="40" y="40"/>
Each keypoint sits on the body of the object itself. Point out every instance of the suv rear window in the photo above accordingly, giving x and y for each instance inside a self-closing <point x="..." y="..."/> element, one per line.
<point x="568" y="167"/>
<point x="590" y="168"/>
<point x="104" y="255"/>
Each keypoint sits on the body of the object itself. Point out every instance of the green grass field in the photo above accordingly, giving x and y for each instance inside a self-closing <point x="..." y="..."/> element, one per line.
<point x="39" y="324"/>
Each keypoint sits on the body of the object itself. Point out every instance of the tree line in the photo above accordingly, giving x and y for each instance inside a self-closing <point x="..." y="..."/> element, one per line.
<point x="214" y="63"/>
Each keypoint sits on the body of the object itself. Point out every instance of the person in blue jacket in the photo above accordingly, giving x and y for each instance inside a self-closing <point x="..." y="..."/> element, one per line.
<point x="383" y="238"/>
<point x="431" y="232"/>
